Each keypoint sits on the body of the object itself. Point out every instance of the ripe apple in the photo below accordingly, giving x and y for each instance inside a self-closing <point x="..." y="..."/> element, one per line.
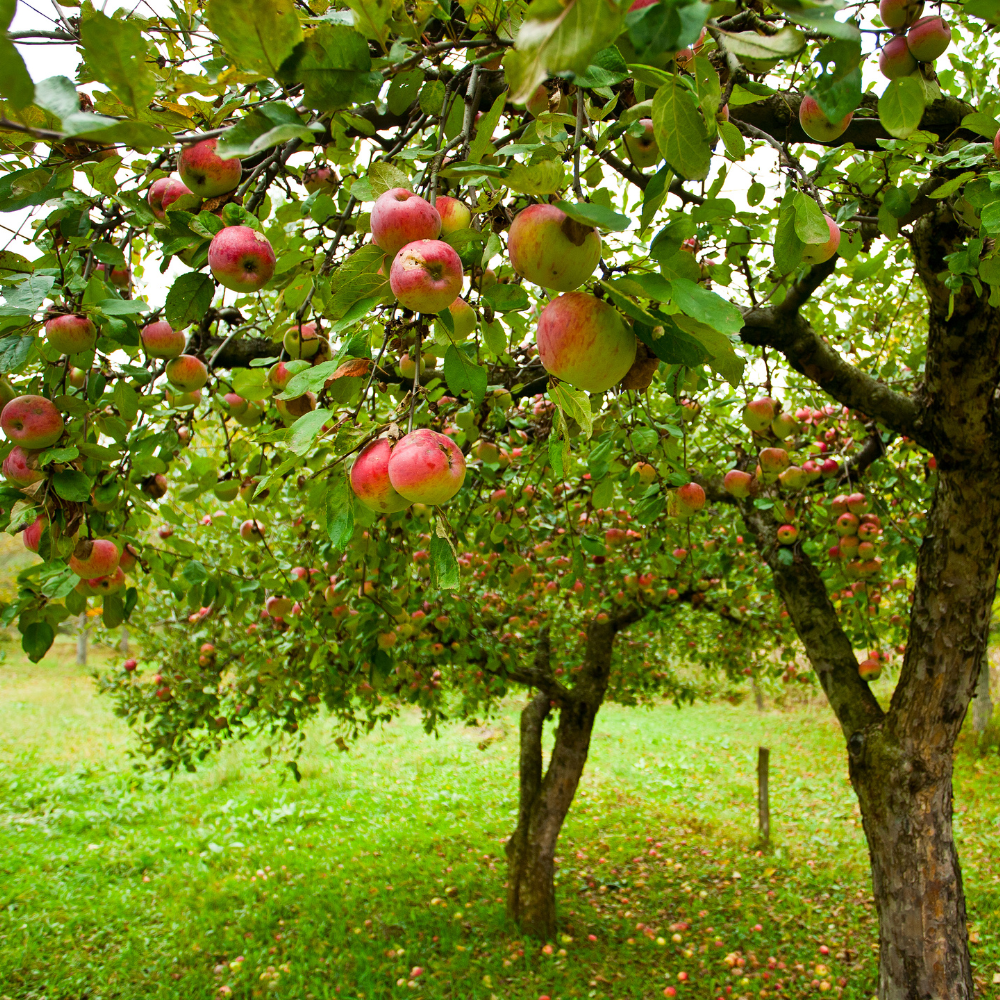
<point x="21" y="467"/>
<point x="161" y="340"/>
<point x="282" y="373"/>
<point x="816" y="125"/>
<point x="400" y="217"/>
<point x="455" y="215"/>
<point x="252" y="531"/>
<point x="278" y="607"/>
<point x="583" y="341"/>
<point x="320" y="179"/>
<point x="928" y="38"/>
<point x="758" y="414"/>
<point x="32" y="535"/>
<point x="895" y="59"/>
<point x="870" y="669"/>
<point x="643" y="150"/>
<point x="167" y="192"/>
<point x="847" y="525"/>
<point x="179" y="399"/>
<point x="857" y="503"/>
<point x="645" y="472"/>
<point x="550" y="249"/>
<point x="70" y="334"/>
<point x="302" y="342"/>
<point x="426" y="276"/>
<point x="94" y="557"/>
<point x="900" y="13"/>
<point x="426" y="467"/>
<point x="817" y="253"/>
<point x="33" y="422"/>
<point x="685" y="501"/>
<point x="130" y="665"/>
<point x="787" y="534"/>
<point x="784" y="426"/>
<point x="120" y="277"/>
<point x="186" y="373"/>
<point x="241" y="258"/>
<point x="794" y="478"/>
<point x="109" y="584"/>
<point x="205" y="173"/>
<point x="773" y="461"/>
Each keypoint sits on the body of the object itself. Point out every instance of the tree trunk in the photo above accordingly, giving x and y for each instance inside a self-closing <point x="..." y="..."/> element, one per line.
<point x="758" y="695"/>
<point x="545" y="801"/>
<point x="982" y="704"/>
<point x="81" y="642"/>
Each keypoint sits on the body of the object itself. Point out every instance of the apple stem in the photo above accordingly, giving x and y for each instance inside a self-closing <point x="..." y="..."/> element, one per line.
<point x="416" y="377"/>
<point x="581" y="116"/>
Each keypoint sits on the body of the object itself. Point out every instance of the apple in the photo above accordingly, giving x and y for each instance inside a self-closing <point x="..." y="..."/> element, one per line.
<point x="787" y="534"/>
<point x="94" y="557"/>
<point x="584" y="341"/>
<point x="645" y="472"/>
<point x="205" y="173"/>
<point x="278" y="607"/>
<point x="320" y="179"/>
<point x="816" y="125"/>
<point x="643" y="150"/>
<point x="70" y="334"/>
<point x="21" y="467"/>
<point x="32" y="535"/>
<point x="291" y="409"/>
<point x="552" y="250"/>
<point x="784" y="426"/>
<point x="900" y="13"/>
<point x="302" y="341"/>
<point x="77" y="378"/>
<point x="155" y="486"/>
<point x="186" y="373"/>
<point x="408" y="367"/>
<point x="130" y="665"/>
<point x="252" y="531"/>
<point x="178" y="399"/>
<point x="426" y="467"/>
<point x="870" y="669"/>
<point x="455" y="215"/>
<point x="928" y="38"/>
<point x="129" y="558"/>
<point x="463" y="318"/>
<point x="996" y="145"/>
<point x="226" y="489"/>
<point x="167" y="192"/>
<point x="426" y="276"/>
<point x="847" y="524"/>
<point x="895" y="59"/>
<point x="400" y="217"/>
<point x="817" y="253"/>
<point x="685" y="501"/>
<point x="740" y="484"/>
<point x="241" y="258"/>
<point x="773" y="461"/>
<point x="33" y="422"/>
<point x="857" y="503"/>
<point x="758" y="414"/>
<point x="161" y="340"/>
<point x="794" y="478"/>
<point x="109" y="584"/>
<point x="282" y="373"/>
<point x="685" y="57"/>
<point x="120" y="277"/>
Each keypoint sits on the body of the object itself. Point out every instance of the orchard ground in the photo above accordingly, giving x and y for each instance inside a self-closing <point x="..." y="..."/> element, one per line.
<point x="388" y="857"/>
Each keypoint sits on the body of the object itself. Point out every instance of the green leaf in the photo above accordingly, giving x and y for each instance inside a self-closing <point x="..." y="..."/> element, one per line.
<point x="72" y="485"/>
<point x="403" y="89"/>
<point x="384" y="177"/>
<point x="444" y="564"/>
<point x="123" y="307"/>
<point x="463" y="375"/>
<point x="732" y="139"/>
<point x="788" y="248"/>
<point x="749" y="47"/>
<point x="598" y="216"/>
<point x="706" y="307"/>
<point x="189" y="298"/>
<point x="117" y="55"/>
<point x="506" y="298"/>
<point x="112" y="610"/>
<point x="810" y="222"/>
<point x="126" y="400"/>
<point x="339" y="510"/>
<point x="980" y="122"/>
<point x="545" y="177"/>
<point x="556" y="37"/>
<point x="261" y="129"/>
<point x="14" y="352"/>
<point x="664" y="28"/>
<point x="24" y="298"/>
<point x="606" y="68"/>
<point x="901" y="106"/>
<point x="574" y="403"/>
<point x="23" y="188"/>
<point x="305" y="429"/>
<point x="15" y="82"/>
<point x="259" y="34"/>
<point x="722" y="358"/>
<point x="839" y="92"/>
<point x="484" y="129"/>
<point x="312" y="378"/>
<point x="252" y="384"/>
<point x="495" y="337"/>
<point x="335" y="67"/>
<point x="36" y="640"/>
<point x="821" y="17"/>
<point x="680" y="130"/>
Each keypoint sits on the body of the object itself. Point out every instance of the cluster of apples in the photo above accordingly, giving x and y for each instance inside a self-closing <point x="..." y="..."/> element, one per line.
<point x="915" y="39"/>
<point x="859" y="533"/>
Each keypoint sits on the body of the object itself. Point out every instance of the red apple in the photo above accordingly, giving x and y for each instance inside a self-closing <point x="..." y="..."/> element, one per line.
<point x="758" y="414"/>
<point x="120" y="277"/>
<point x="21" y="467"/>
<point x="645" y="472"/>
<point x="895" y="59"/>
<point x="109" y="584"/>
<point x="583" y="341"/>
<point x="71" y="334"/>
<point x="455" y="215"/>
<point x="787" y="534"/>
<point x="33" y="422"/>
<point x="400" y="217"/>
<point x="550" y="249"/>
<point x="817" y="253"/>
<point x="252" y="531"/>
<point x="205" y="173"/>
<point x="870" y="669"/>
<point x="186" y="373"/>
<point x="241" y="258"/>
<point x="161" y="340"/>
<point x="94" y="557"/>
<point x="32" y="535"/>
<point x="899" y="13"/>
<point x="322" y="178"/>
<point x="168" y="192"/>
<point x="426" y="276"/>
<point x="685" y="501"/>
<point x="816" y="125"/>
<point x="426" y="467"/>
<point x="928" y="38"/>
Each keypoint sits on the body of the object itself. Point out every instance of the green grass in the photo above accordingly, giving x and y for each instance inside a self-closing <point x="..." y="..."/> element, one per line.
<point x="390" y="856"/>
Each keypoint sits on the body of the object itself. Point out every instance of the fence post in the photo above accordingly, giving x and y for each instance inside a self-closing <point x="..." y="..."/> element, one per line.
<point x="81" y="641"/>
<point x="763" y="803"/>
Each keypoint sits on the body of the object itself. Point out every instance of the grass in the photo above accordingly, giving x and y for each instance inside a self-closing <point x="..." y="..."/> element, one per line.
<point x="236" y="882"/>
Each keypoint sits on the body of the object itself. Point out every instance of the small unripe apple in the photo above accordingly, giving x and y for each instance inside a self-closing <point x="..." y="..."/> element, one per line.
<point x="323" y="178"/>
<point x="794" y="478"/>
<point x="226" y="489"/>
<point x="186" y="373"/>
<point x="302" y="342"/>
<point x="645" y="472"/>
<point x="120" y="277"/>
<point x="463" y="318"/>
<point x="71" y="334"/>
<point x="928" y="38"/>
<point x="241" y="258"/>
<point x="816" y="125"/>
<point x="205" y="173"/>
<point x="400" y="217"/>
<point x="784" y="426"/>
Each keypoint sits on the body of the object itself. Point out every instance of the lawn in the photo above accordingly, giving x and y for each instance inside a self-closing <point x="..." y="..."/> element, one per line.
<point x="382" y="874"/>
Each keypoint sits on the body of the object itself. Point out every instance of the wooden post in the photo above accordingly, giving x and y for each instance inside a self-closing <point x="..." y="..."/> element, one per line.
<point x="763" y="803"/>
<point x="81" y="641"/>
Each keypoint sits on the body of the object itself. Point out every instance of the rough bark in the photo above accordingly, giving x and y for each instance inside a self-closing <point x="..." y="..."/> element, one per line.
<point x="982" y="706"/>
<point x="545" y="800"/>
